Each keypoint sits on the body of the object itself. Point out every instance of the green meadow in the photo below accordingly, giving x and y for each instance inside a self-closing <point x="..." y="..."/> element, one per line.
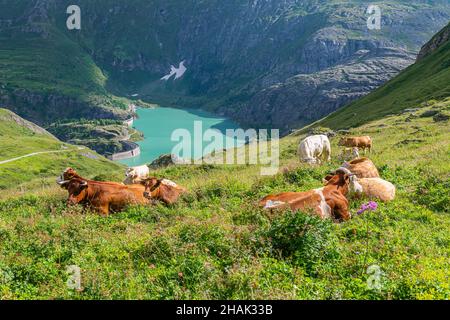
<point x="37" y="173"/>
<point x="217" y="244"/>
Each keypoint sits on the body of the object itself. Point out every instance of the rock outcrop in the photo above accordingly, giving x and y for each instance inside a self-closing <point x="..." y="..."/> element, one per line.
<point x="438" y="40"/>
<point x="167" y="160"/>
<point x="7" y="115"/>
<point x="305" y="98"/>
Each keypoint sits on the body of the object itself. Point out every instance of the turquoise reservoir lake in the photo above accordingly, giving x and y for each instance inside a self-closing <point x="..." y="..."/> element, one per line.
<point x="159" y="124"/>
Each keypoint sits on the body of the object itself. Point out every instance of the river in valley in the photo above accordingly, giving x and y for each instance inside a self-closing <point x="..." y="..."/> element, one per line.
<point x="159" y="124"/>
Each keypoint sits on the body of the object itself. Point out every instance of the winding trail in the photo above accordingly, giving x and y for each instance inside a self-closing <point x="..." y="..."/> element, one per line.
<point x="38" y="153"/>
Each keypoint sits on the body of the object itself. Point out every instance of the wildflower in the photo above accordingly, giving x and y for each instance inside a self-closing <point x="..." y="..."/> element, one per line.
<point x="371" y="206"/>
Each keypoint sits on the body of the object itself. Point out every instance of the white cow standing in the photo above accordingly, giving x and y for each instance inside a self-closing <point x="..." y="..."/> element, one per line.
<point x="315" y="149"/>
<point x="135" y="175"/>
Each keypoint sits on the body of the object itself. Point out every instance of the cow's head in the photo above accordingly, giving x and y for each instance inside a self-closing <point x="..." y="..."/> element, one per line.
<point x="77" y="190"/>
<point x="341" y="178"/>
<point x="67" y="175"/>
<point x="131" y="173"/>
<point x="151" y="184"/>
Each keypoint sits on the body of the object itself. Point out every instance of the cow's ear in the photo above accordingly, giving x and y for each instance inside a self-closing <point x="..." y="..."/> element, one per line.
<point x="156" y="186"/>
<point x="327" y="178"/>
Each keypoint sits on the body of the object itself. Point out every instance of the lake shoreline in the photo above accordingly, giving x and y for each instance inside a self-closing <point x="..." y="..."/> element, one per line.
<point x="158" y="124"/>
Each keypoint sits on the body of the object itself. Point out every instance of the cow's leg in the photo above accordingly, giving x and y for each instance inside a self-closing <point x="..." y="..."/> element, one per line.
<point x="327" y="155"/>
<point x="104" y="209"/>
<point x="341" y="210"/>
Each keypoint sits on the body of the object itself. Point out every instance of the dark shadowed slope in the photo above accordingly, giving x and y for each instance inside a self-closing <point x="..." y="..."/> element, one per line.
<point x="427" y="79"/>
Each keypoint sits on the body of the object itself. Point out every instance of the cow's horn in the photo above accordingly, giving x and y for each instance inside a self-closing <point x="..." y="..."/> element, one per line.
<point x="84" y="184"/>
<point x="61" y="183"/>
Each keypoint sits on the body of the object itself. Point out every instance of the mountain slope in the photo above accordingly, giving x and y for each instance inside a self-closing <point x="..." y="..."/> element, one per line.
<point x="31" y="158"/>
<point x="428" y="79"/>
<point x="235" y="51"/>
<point x="44" y="75"/>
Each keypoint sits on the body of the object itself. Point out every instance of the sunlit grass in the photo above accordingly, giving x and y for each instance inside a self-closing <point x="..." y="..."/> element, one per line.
<point x="216" y="244"/>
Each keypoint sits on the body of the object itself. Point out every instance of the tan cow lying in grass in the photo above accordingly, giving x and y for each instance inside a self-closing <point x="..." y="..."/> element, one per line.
<point x="376" y="188"/>
<point x="362" y="168"/>
<point x="327" y="202"/>
<point x="372" y="188"/>
<point x="162" y="190"/>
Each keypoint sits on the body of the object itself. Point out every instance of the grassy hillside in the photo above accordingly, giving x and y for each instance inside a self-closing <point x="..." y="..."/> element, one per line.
<point x="428" y="79"/>
<point x="217" y="244"/>
<point x="39" y="171"/>
<point x="58" y="66"/>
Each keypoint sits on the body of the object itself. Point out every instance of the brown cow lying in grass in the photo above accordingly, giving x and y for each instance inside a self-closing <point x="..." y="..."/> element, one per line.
<point x="103" y="197"/>
<point x="327" y="202"/>
<point x="163" y="190"/>
<point x="70" y="174"/>
<point x="106" y="196"/>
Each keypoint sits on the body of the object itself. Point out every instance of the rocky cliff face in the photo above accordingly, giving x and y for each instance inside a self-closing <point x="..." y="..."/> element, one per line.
<point x="438" y="40"/>
<point x="304" y="98"/>
<point x="45" y="108"/>
<point x="262" y="62"/>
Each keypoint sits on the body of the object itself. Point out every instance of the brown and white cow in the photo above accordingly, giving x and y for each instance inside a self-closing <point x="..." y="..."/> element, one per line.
<point x="361" y="143"/>
<point x="162" y="190"/>
<point x="327" y="202"/>
<point x="103" y="197"/>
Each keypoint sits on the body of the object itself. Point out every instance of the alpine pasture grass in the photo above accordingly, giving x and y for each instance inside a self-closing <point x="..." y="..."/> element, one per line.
<point x="217" y="244"/>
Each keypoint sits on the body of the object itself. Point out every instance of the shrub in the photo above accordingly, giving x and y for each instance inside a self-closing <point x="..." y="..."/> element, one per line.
<point x="433" y="193"/>
<point x="302" y="175"/>
<point x="303" y="238"/>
